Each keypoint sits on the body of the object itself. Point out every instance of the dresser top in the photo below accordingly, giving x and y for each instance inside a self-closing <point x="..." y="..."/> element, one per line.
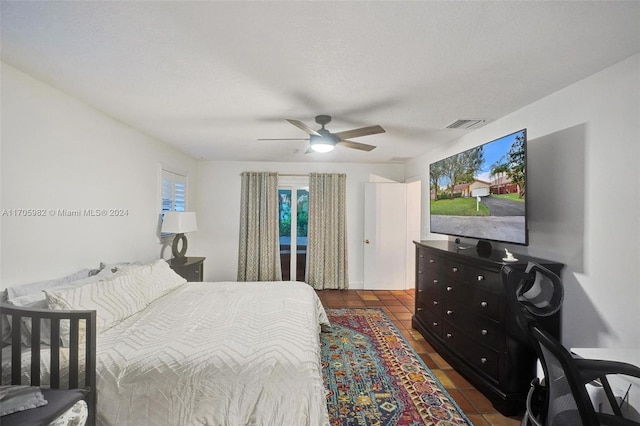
<point x="493" y="258"/>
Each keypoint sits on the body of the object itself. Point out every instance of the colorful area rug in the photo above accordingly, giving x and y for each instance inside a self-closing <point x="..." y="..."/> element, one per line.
<point x="374" y="377"/>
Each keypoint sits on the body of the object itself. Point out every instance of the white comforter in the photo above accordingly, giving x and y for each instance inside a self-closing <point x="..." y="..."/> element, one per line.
<point x="216" y="354"/>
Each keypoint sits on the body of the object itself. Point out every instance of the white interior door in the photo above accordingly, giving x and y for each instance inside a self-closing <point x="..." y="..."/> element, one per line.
<point x="385" y="236"/>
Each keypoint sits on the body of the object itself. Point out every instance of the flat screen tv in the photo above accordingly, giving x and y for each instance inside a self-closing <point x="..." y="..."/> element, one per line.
<point x="480" y="193"/>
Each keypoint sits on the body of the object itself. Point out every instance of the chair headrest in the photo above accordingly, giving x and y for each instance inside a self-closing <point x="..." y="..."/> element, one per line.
<point x="541" y="293"/>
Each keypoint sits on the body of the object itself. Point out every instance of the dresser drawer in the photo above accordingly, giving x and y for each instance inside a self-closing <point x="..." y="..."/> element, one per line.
<point x="423" y="257"/>
<point x="427" y="280"/>
<point x="430" y="319"/>
<point x="472" y="299"/>
<point x="429" y="269"/>
<point x="481" y="329"/>
<point x="455" y="272"/>
<point x="428" y="290"/>
<point x="430" y="301"/>
<point x="485" y="279"/>
<point x="463" y="273"/>
<point x="483" y="358"/>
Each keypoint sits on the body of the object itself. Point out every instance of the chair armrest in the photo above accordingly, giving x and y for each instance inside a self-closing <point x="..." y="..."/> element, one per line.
<point x="609" y="420"/>
<point x="591" y="369"/>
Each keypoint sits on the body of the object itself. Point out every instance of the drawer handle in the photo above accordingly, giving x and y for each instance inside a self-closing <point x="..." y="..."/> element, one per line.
<point x="483" y="360"/>
<point x="420" y="290"/>
<point x="420" y="272"/>
<point x="421" y="255"/>
<point x="484" y="304"/>
<point x="435" y="324"/>
<point x="418" y="309"/>
<point x="484" y="332"/>
<point x="435" y="303"/>
<point x="436" y="281"/>
<point x="449" y="288"/>
<point x="449" y="335"/>
<point x="454" y="269"/>
<point x="480" y="277"/>
<point x="449" y="312"/>
<point x="432" y="261"/>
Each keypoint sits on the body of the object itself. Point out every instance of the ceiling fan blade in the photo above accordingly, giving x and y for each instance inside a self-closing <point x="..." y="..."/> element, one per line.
<point x="300" y="125"/>
<point x="283" y="139"/>
<point x="363" y="131"/>
<point x="356" y="145"/>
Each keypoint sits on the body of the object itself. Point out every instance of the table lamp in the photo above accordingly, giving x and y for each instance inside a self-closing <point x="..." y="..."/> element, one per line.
<point x="179" y="223"/>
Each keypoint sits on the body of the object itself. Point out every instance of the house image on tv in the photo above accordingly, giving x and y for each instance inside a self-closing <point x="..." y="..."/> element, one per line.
<point x="503" y="185"/>
<point x="477" y="188"/>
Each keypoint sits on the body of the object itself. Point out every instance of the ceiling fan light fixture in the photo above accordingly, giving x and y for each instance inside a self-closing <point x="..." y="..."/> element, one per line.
<point x="323" y="141"/>
<point x="322" y="147"/>
<point x="322" y="144"/>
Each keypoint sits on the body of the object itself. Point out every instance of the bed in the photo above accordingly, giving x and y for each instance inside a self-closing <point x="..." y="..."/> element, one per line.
<point x="223" y="353"/>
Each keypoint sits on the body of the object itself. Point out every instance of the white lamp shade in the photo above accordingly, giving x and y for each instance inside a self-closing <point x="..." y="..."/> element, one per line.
<point x="179" y="222"/>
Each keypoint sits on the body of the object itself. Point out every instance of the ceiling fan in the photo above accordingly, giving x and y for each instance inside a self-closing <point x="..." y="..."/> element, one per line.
<point x="322" y="140"/>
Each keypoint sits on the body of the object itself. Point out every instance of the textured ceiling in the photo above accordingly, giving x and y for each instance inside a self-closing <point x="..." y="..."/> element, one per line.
<point x="213" y="77"/>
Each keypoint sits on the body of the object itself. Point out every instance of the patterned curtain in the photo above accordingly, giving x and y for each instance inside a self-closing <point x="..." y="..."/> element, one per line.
<point x="327" y="243"/>
<point x="259" y="253"/>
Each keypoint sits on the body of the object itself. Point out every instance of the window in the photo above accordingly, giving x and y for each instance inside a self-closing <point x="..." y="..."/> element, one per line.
<point x="174" y="195"/>
<point x="174" y="191"/>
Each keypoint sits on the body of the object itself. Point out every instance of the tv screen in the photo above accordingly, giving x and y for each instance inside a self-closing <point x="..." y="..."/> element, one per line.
<point x="481" y="193"/>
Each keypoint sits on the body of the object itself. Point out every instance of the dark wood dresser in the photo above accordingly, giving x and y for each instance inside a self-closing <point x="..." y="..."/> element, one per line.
<point x="461" y="311"/>
<point x="191" y="269"/>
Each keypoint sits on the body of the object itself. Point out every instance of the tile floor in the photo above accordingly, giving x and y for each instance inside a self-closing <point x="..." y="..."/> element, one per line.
<point x="399" y="306"/>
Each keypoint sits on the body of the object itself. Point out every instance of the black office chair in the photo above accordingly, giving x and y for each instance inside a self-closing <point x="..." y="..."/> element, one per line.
<point x="561" y="398"/>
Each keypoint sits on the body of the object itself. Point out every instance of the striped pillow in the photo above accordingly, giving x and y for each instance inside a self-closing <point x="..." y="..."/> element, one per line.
<point x="155" y="279"/>
<point x="117" y="296"/>
<point x="114" y="299"/>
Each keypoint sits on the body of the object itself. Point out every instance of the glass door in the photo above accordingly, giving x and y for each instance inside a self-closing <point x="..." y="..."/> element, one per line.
<point x="294" y="214"/>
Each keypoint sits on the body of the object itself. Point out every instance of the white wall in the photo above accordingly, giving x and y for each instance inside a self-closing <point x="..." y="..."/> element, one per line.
<point x="414" y="212"/>
<point x="584" y="198"/>
<point x="219" y="209"/>
<point x="59" y="153"/>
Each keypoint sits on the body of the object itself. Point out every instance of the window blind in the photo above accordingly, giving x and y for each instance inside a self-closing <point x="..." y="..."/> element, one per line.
<point x="174" y="191"/>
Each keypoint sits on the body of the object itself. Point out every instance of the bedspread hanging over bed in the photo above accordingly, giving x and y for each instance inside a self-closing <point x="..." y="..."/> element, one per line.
<point x="217" y="354"/>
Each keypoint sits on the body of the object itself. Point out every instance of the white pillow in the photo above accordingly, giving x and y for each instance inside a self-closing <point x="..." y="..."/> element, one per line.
<point x="37" y="287"/>
<point x="33" y="301"/>
<point x="32" y="296"/>
<point x="155" y="279"/>
<point x="114" y="299"/>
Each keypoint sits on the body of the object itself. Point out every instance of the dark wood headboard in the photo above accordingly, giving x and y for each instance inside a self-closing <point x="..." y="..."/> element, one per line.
<point x="16" y="314"/>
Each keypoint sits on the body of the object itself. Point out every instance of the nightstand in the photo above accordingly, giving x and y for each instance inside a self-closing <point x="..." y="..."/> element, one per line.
<point x="191" y="269"/>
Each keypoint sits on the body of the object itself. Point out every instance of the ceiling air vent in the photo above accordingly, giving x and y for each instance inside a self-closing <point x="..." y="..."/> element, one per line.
<point x="400" y="159"/>
<point x="466" y="123"/>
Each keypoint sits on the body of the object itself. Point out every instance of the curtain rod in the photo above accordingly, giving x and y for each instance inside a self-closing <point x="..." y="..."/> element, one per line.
<point x="291" y="174"/>
<point x="285" y="174"/>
